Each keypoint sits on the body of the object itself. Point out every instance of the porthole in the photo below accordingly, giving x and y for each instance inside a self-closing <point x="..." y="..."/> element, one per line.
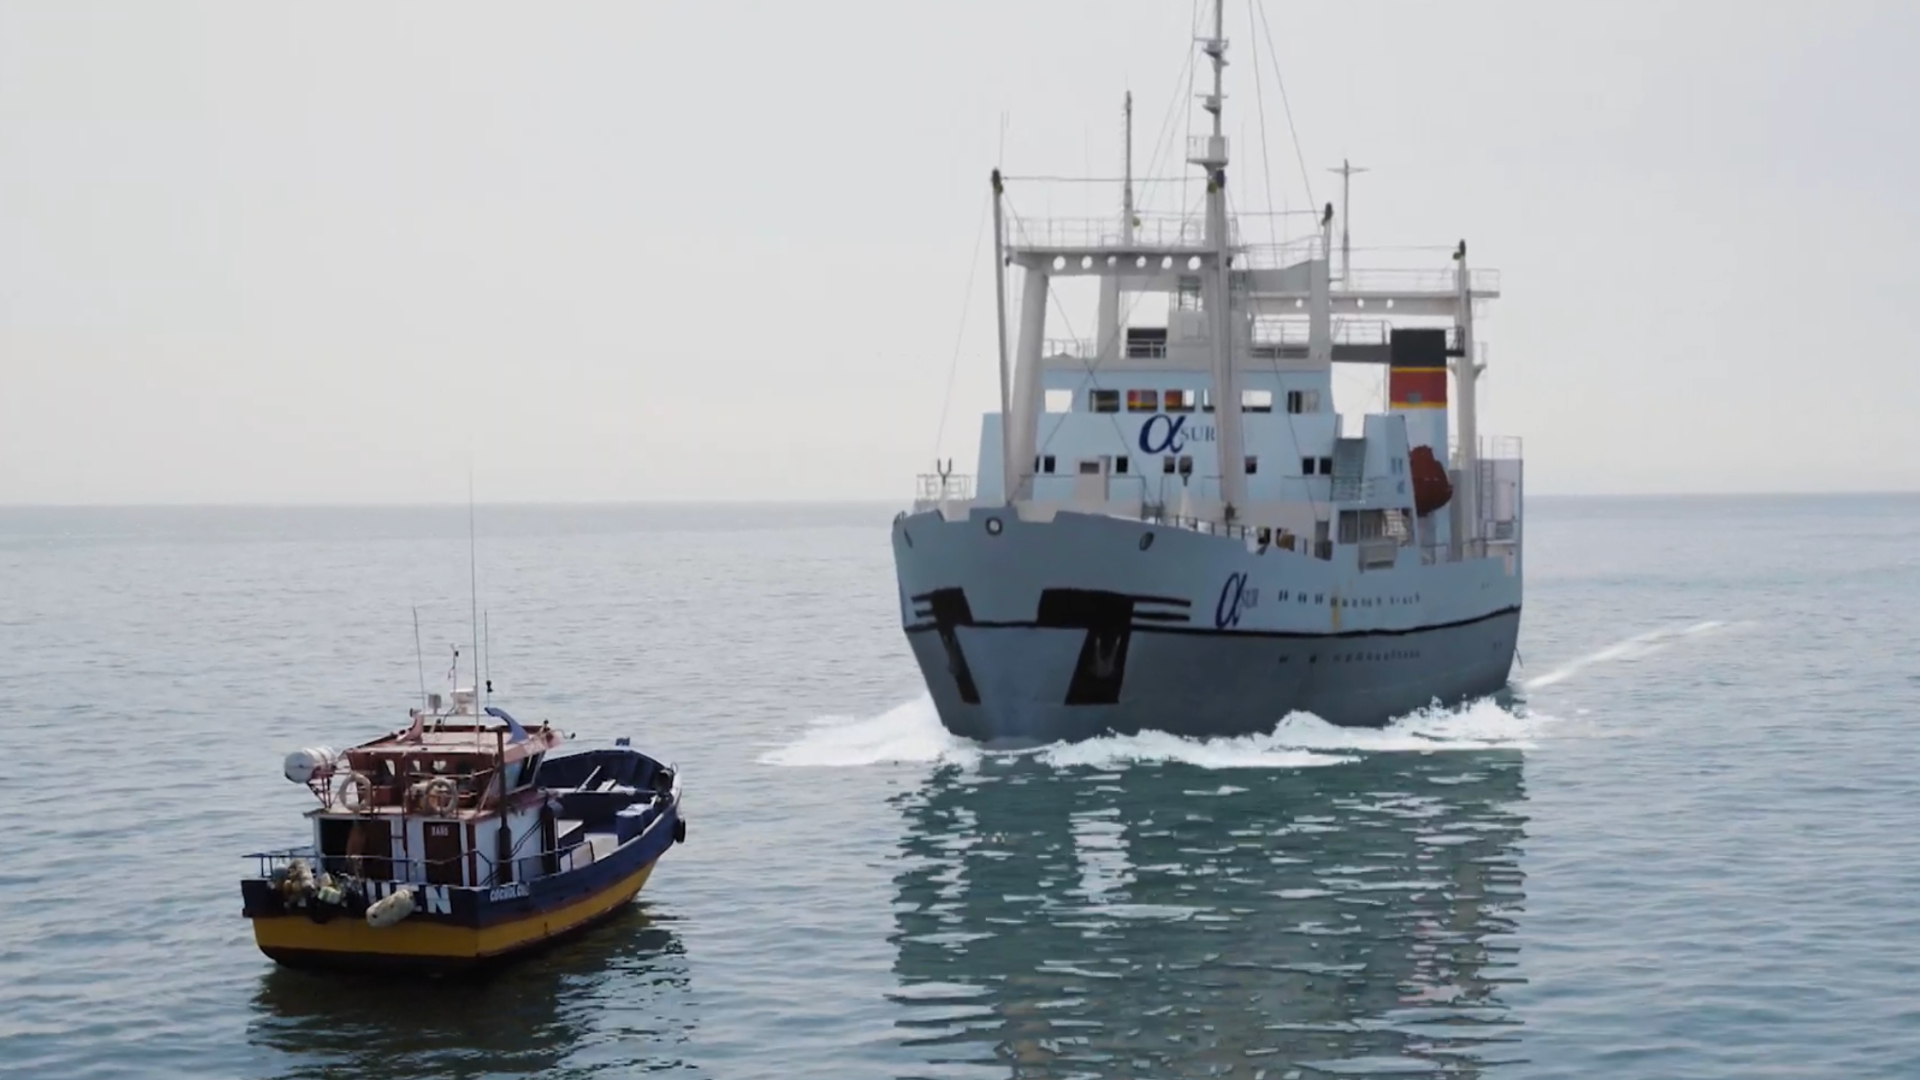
<point x="993" y="526"/>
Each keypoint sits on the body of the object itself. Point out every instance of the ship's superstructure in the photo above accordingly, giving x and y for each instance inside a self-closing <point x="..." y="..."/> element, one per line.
<point x="1173" y="529"/>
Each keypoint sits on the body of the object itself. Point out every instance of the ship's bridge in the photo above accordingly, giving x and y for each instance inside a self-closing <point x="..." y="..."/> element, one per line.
<point x="1131" y="423"/>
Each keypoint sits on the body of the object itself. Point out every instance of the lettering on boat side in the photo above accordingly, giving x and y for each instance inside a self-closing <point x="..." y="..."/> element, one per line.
<point x="514" y="891"/>
<point x="1235" y="597"/>
<point x="432" y="899"/>
<point x="1163" y="434"/>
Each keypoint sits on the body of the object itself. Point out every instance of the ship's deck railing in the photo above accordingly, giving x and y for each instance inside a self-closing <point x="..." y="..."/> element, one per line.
<point x="1281" y="330"/>
<point x="1443" y="280"/>
<point x="1077" y="348"/>
<point x="1259" y="537"/>
<point x="933" y="487"/>
<point x="1277" y="256"/>
<point x="1152" y="231"/>
<point x="1500" y="448"/>
<point x="1458" y="551"/>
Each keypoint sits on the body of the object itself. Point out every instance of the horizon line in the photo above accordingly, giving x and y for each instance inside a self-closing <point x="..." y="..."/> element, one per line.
<point x="867" y="501"/>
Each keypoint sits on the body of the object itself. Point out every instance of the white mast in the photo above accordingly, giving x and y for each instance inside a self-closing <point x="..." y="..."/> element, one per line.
<point x="1108" y="330"/>
<point x="1346" y="171"/>
<point x="1009" y="472"/>
<point x="1126" y="189"/>
<point x="1211" y="155"/>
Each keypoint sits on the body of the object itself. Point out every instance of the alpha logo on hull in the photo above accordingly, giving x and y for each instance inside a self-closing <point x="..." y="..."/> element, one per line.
<point x="1235" y="597"/>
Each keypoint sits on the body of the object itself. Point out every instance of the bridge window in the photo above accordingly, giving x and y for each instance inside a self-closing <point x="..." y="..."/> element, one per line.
<point x="1166" y="464"/>
<point x="1256" y="401"/>
<point x="1120" y="464"/>
<point x="1146" y="342"/>
<point x="1103" y="401"/>
<point x="1303" y="401"/>
<point x="1206" y="400"/>
<point x="1187" y="295"/>
<point x="1186" y="465"/>
<point x="1143" y="401"/>
<point x="1043" y="464"/>
<point x="1178" y="401"/>
<point x="1253" y="464"/>
<point x="1306" y="466"/>
<point x="1326" y="466"/>
<point x="1059" y="401"/>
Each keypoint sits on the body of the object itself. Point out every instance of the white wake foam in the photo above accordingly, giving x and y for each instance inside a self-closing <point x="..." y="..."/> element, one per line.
<point x="1632" y="648"/>
<point x="911" y="732"/>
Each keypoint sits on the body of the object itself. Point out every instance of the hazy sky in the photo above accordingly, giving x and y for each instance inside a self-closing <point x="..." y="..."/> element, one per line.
<point x="331" y="252"/>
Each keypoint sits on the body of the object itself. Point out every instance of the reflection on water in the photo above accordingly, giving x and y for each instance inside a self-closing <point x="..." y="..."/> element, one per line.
<point x="600" y="1003"/>
<point x="1168" y="920"/>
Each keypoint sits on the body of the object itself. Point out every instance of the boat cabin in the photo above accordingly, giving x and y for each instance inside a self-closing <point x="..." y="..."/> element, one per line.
<point x="443" y="802"/>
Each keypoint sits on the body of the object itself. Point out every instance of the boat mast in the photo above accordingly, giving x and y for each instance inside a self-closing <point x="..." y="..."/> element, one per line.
<point x="473" y="583"/>
<point x="1346" y="171"/>
<point x="1009" y="473"/>
<point x="419" y="659"/>
<point x="1211" y="155"/>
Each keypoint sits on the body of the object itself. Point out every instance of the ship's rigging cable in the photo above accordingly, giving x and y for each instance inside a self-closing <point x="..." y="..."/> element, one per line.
<point x="1306" y="180"/>
<point x="1266" y="166"/>
<point x="960" y="333"/>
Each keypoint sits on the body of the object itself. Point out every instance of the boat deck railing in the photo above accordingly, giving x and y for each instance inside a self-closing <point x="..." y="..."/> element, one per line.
<point x="473" y="788"/>
<point x="568" y="855"/>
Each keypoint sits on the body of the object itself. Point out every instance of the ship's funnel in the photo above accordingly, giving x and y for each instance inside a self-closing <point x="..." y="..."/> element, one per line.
<point x="1417" y="390"/>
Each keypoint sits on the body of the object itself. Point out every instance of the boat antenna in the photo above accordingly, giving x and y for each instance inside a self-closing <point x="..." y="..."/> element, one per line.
<point x="419" y="660"/>
<point x="473" y="580"/>
<point x="1346" y="171"/>
<point x="486" y="634"/>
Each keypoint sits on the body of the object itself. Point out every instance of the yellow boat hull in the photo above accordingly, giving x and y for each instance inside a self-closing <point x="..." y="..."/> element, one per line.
<point x="297" y="941"/>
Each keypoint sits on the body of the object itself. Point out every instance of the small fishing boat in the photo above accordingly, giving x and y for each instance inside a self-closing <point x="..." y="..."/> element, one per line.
<point x="459" y="840"/>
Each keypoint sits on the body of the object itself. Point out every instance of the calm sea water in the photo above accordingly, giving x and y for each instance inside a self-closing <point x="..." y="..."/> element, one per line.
<point x="1690" y="849"/>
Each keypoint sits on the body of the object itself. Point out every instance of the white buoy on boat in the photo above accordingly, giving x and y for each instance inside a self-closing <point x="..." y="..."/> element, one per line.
<point x="389" y="910"/>
<point x="309" y="761"/>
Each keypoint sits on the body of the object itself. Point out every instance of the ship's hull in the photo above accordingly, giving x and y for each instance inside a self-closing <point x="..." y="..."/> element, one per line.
<point x="1085" y="625"/>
